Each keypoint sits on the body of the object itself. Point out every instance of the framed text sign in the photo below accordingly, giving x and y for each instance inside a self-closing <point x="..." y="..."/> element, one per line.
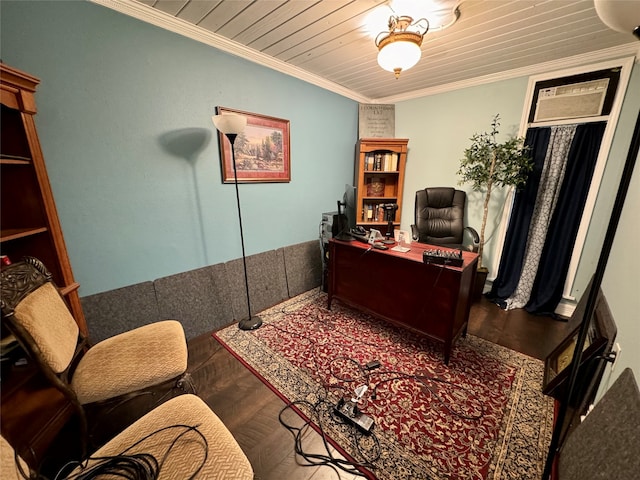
<point x="376" y="121"/>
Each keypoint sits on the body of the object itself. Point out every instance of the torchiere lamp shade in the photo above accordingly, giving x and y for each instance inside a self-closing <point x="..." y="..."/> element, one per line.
<point x="230" y="123"/>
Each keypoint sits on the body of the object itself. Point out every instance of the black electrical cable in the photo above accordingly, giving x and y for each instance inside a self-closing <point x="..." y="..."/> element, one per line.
<point x="316" y="459"/>
<point x="137" y="466"/>
<point x="141" y="466"/>
<point x="366" y="374"/>
<point x="422" y="379"/>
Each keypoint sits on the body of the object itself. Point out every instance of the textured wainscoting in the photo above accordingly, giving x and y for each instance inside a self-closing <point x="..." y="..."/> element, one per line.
<point x="200" y="299"/>
<point x="119" y="310"/>
<point x="607" y="443"/>
<point x="208" y="298"/>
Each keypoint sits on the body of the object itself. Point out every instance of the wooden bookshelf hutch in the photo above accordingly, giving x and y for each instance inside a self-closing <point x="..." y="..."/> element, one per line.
<point x="29" y="221"/>
<point x="33" y="411"/>
<point x="379" y="178"/>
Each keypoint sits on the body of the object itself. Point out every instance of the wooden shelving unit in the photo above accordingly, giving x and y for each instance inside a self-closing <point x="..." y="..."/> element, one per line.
<point x="29" y="219"/>
<point x="379" y="179"/>
<point x="32" y="410"/>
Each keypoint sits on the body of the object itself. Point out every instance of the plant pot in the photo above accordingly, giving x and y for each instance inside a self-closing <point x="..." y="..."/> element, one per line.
<point x="478" y="284"/>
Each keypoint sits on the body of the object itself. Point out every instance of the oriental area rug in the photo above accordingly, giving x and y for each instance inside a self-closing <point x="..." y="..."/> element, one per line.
<point x="483" y="416"/>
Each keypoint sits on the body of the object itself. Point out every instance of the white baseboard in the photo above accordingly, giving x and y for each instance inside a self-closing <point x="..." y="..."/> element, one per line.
<point x="566" y="307"/>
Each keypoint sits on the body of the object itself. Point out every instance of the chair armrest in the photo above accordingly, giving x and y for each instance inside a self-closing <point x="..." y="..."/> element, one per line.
<point x="415" y="235"/>
<point x="475" y="239"/>
<point x="474" y="235"/>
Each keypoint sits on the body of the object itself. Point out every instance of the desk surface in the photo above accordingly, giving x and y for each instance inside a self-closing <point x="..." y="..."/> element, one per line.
<point x="415" y="252"/>
<point x="430" y="299"/>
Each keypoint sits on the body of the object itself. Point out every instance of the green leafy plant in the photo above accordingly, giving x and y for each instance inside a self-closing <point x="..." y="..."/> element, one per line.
<point x="488" y="163"/>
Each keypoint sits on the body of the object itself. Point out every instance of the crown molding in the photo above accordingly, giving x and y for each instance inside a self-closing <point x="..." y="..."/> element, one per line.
<point x="626" y="50"/>
<point x="166" y="21"/>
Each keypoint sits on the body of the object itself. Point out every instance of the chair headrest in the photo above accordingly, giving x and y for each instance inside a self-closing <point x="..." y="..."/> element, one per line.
<point x="20" y="279"/>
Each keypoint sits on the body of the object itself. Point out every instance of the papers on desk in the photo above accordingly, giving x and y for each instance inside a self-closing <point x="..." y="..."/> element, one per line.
<point x="398" y="248"/>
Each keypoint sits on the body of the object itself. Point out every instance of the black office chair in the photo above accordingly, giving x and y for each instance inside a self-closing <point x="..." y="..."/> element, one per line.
<point x="439" y="219"/>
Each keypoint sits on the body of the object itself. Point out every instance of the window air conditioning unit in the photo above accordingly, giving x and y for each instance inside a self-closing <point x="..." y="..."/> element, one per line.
<point x="577" y="100"/>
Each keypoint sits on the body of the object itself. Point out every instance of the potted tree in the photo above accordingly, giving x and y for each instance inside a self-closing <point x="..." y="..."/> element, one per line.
<point x="488" y="163"/>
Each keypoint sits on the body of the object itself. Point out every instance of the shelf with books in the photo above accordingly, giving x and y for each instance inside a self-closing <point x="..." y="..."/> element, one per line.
<point x="379" y="179"/>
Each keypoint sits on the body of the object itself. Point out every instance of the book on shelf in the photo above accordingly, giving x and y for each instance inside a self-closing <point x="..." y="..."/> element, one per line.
<point x="374" y="213"/>
<point x="369" y="160"/>
<point x="381" y="162"/>
<point x="378" y="163"/>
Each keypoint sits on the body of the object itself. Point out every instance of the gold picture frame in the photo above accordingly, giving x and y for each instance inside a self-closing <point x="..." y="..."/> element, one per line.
<point x="262" y="150"/>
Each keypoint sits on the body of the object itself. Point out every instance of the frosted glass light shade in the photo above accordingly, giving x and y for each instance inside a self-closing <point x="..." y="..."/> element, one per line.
<point x="399" y="56"/>
<point x="620" y="15"/>
<point x="230" y="123"/>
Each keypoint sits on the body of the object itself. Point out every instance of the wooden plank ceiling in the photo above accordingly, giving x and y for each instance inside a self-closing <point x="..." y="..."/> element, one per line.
<point x="329" y="43"/>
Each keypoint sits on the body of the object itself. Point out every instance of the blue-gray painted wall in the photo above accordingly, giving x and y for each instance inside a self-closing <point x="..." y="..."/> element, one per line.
<point x="124" y="119"/>
<point x="118" y="96"/>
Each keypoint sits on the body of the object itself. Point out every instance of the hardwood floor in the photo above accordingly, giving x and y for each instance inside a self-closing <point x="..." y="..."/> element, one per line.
<point x="250" y="409"/>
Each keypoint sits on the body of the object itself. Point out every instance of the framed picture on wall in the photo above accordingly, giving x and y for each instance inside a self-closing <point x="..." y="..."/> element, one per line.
<point x="261" y="150"/>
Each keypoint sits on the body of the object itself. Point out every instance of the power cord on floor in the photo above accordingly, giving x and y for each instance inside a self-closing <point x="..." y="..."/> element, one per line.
<point x="323" y="408"/>
<point x="362" y="376"/>
<point x="423" y="379"/>
<point x="365" y="375"/>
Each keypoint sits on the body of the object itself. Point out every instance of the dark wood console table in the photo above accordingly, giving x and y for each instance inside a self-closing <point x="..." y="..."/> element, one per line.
<point x="429" y="299"/>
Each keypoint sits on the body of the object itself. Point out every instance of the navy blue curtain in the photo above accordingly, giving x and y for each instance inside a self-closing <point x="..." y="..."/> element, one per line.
<point x="563" y="229"/>
<point x="537" y="139"/>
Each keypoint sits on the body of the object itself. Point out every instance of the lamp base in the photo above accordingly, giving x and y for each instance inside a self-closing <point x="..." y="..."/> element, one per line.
<point x="250" y="323"/>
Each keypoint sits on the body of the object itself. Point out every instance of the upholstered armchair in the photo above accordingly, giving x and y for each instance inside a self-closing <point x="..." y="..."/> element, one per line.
<point x="439" y="219"/>
<point x="116" y="368"/>
<point x="183" y="434"/>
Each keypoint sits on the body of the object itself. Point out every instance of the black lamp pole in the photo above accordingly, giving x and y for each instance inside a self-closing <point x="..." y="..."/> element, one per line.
<point x="622" y="17"/>
<point x="230" y="125"/>
<point x="252" y="322"/>
<point x="623" y="188"/>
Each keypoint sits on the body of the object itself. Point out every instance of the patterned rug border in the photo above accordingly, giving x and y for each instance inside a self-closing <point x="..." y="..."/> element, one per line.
<point x="287" y="401"/>
<point x="514" y="439"/>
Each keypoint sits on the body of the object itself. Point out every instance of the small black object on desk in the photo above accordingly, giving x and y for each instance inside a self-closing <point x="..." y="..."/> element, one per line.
<point x="390" y="214"/>
<point x="443" y="257"/>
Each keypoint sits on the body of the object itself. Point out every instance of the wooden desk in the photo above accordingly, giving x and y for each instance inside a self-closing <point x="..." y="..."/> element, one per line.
<point x="431" y="300"/>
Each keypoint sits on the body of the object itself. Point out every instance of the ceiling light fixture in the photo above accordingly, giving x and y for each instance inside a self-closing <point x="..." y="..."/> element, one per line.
<point x="622" y="16"/>
<point x="399" y="48"/>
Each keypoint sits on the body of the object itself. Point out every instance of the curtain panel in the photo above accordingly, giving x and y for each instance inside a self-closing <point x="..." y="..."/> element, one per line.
<point x="546" y="216"/>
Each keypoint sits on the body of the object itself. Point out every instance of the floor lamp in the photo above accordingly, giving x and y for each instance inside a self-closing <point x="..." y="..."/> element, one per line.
<point x="231" y="125"/>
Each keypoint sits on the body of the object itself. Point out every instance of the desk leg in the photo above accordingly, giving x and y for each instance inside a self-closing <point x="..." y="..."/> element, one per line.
<point x="447" y="352"/>
<point x="330" y="274"/>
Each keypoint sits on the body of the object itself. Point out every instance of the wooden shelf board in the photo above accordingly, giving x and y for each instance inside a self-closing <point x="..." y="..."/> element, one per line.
<point x="15" y="233"/>
<point x="69" y="288"/>
<point x="9" y="160"/>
